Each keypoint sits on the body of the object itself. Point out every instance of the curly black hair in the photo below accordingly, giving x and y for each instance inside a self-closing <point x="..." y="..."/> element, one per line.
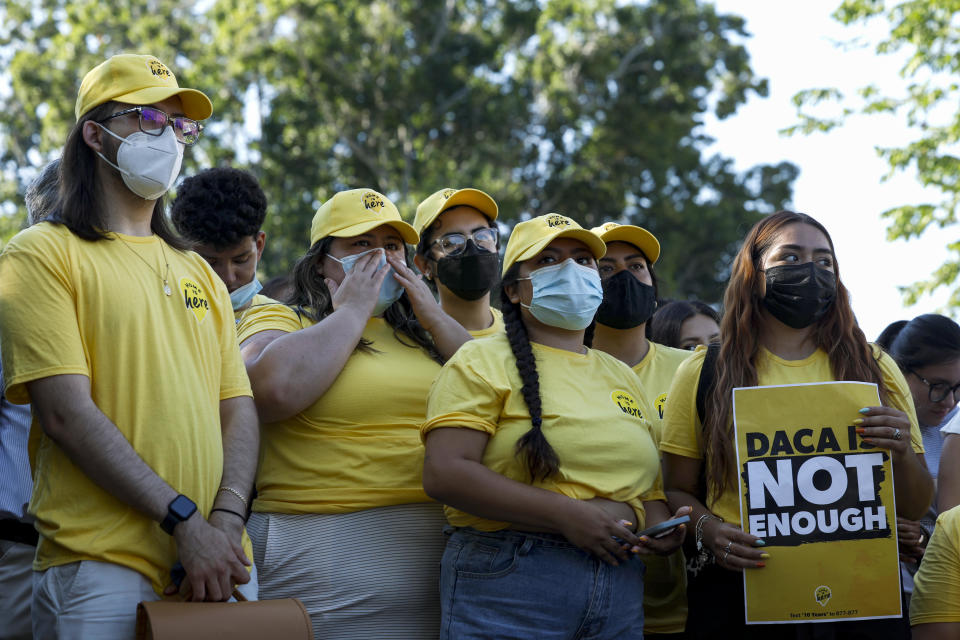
<point x="219" y="207"/>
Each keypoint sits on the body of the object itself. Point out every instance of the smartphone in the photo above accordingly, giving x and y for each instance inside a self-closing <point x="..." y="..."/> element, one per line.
<point x="664" y="528"/>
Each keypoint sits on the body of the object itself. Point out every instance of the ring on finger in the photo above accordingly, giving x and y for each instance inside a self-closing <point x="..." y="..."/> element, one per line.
<point x="897" y="434"/>
<point x="725" y="554"/>
<point x="728" y="547"/>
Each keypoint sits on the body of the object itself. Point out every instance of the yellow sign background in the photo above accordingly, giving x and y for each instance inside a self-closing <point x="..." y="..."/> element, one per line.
<point x="862" y="577"/>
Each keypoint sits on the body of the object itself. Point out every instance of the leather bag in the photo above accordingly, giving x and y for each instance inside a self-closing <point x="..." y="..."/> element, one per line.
<point x="285" y="618"/>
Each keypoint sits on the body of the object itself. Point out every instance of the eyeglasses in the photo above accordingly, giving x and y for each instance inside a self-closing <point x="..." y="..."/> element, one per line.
<point x="937" y="391"/>
<point x="153" y="122"/>
<point x="453" y="244"/>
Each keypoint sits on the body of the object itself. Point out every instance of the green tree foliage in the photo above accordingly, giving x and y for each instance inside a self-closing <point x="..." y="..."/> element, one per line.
<point x="592" y="108"/>
<point x="927" y="34"/>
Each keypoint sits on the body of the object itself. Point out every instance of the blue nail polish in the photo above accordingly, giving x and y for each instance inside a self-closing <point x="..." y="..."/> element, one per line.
<point x="760" y="543"/>
<point x="865" y="410"/>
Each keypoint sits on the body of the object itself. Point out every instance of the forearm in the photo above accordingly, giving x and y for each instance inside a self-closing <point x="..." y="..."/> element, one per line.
<point x="471" y="487"/>
<point x="448" y="334"/>
<point x="93" y="443"/>
<point x="948" y="480"/>
<point x="241" y="441"/>
<point x="297" y="368"/>
<point x="914" y="486"/>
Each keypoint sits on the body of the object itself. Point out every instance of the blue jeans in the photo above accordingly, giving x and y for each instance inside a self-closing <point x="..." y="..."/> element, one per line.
<point x="515" y="585"/>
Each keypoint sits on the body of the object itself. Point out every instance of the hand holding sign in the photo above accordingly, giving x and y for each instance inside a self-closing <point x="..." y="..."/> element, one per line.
<point x="885" y="427"/>
<point x="733" y="548"/>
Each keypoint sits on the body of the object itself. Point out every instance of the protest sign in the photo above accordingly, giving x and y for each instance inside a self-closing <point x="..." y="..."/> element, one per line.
<point x="823" y="501"/>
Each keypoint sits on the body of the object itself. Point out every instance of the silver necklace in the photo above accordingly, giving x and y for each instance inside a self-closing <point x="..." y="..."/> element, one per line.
<point x="166" y="285"/>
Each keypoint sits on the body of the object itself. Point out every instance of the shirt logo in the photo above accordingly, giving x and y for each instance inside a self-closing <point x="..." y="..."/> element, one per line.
<point x="626" y="403"/>
<point x="661" y="402"/>
<point x="194" y="298"/>
<point x="157" y="69"/>
<point x="373" y="201"/>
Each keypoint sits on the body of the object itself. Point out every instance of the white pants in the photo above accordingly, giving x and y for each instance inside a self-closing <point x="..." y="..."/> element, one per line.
<point x="90" y="599"/>
<point x="16" y="589"/>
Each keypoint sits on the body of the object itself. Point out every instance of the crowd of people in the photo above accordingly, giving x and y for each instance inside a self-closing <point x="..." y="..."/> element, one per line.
<point x="413" y="436"/>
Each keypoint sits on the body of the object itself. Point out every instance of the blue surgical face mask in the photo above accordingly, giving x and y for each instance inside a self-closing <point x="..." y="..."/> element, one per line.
<point x="241" y="296"/>
<point x="565" y="295"/>
<point x="390" y="290"/>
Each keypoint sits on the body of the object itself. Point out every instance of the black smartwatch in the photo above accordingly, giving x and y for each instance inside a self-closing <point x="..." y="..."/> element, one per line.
<point x="179" y="509"/>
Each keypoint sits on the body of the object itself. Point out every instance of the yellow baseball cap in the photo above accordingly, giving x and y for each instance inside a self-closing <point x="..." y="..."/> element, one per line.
<point x="354" y="212"/>
<point x="137" y="79"/>
<point x="530" y="237"/>
<point x="637" y="236"/>
<point x="440" y="201"/>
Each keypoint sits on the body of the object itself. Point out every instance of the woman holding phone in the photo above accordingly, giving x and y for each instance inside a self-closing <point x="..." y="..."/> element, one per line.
<point x="542" y="451"/>
<point x="787" y="320"/>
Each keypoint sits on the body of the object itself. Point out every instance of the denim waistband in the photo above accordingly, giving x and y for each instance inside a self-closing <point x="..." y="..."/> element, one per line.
<point x="538" y="538"/>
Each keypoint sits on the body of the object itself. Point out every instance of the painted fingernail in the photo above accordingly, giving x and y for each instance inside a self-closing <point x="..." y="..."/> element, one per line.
<point x="761" y="564"/>
<point x="626" y="523"/>
<point x="865" y="410"/>
<point x="860" y="430"/>
<point x="858" y="421"/>
<point x="760" y="543"/>
<point x="764" y="555"/>
<point x="644" y="539"/>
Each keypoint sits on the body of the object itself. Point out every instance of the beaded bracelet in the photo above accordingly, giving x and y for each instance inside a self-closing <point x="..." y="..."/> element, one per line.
<point x="702" y="550"/>
<point x="236" y="493"/>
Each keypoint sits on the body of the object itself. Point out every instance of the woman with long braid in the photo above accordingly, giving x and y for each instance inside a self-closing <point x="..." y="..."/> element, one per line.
<point x="543" y="452"/>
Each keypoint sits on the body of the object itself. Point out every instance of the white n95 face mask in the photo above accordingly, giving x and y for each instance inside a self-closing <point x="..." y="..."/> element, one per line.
<point x="149" y="165"/>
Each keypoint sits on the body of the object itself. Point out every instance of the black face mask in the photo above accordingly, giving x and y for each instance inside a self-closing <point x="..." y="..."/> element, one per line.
<point x="798" y="295"/>
<point x="627" y="302"/>
<point x="471" y="274"/>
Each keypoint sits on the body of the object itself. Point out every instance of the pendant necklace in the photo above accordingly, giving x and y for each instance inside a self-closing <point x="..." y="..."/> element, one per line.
<point x="166" y="285"/>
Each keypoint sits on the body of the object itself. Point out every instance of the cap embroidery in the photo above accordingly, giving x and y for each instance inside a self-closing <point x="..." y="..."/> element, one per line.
<point x="448" y="192"/>
<point x="373" y="201"/>
<point x="555" y="220"/>
<point x="157" y="69"/>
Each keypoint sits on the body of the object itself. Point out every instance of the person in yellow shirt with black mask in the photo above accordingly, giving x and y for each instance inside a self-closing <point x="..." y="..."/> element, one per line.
<point x="458" y="253"/>
<point x="629" y="300"/>
<point x="341" y="520"/>
<point x="544" y="453"/>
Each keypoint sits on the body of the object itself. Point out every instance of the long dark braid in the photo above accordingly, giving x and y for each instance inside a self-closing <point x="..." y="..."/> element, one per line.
<point x="540" y="458"/>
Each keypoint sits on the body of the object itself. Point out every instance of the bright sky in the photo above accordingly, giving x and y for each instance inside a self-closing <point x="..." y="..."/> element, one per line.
<point x="792" y="45"/>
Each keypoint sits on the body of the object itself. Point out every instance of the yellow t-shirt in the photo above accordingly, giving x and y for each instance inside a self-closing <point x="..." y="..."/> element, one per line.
<point x="936" y="586"/>
<point x="595" y="416"/>
<point x="683" y="434"/>
<point x="496" y="327"/>
<point x="158" y="368"/>
<point x="665" y="584"/>
<point x="357" y="446"/>
<point x="258" y="301"/>
<point x="656" y="372"/>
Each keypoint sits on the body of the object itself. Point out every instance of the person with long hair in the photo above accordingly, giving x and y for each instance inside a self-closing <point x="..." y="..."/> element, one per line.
<point x="144" y="439"/>
<point x="630" y="296"/>
<point x="458" y="255"/>
<point x="685" y="324"/>
<point x="787" y="320"/>
<point x="544" y="453"/>
<point x="340" y="379"/>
